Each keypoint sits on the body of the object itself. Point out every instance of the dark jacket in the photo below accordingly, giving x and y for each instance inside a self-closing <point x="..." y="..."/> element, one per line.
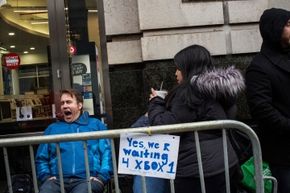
<point x="268" y="89"/>
<point x="268" y="95"/>
<point x="208" y="104"/>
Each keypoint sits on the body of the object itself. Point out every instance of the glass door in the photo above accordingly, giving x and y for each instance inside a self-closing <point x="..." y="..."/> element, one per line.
<point x="46" y="46"/>
<point x="83" y="39"/>
<point x="26" y="68"/>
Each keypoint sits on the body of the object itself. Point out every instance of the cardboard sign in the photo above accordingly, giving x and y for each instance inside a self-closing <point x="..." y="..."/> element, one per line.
<point x="154" y="156"/>
<point x="24" y="113"/>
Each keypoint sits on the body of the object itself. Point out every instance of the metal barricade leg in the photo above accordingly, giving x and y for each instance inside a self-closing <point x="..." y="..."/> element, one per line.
<point x="7" y="168"/>
<point x="60" y="168"/>
<point x="199" y="160"/>
<point x="114" y="160"/>
<point x="226" y="161"/>
<point x="35" y="185"/>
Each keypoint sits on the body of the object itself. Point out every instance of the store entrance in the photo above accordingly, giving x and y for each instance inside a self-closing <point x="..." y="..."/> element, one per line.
<point x="45" y="46"/>
<point x="25" y="71"/>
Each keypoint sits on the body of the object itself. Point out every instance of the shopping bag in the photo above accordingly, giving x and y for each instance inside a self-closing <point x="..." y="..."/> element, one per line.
<point x="248" y="169"/>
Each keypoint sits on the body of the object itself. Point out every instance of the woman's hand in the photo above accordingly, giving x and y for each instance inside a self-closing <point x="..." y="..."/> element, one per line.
<point x="153" y="94"/>
<point x="97" y="180"/>
<point x="52" y="178"/>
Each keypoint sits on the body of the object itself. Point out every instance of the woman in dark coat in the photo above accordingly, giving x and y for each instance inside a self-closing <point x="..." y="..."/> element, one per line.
<point x="203" y="93"/>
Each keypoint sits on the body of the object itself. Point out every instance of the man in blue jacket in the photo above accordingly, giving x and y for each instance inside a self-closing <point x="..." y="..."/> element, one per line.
<point x="72" y="153"/>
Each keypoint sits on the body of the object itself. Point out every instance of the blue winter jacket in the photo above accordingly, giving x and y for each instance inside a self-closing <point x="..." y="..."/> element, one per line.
<point x="72" y="153"/>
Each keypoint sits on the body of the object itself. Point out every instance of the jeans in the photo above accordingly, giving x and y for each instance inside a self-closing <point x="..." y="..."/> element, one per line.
<point x="282" y="174"/>
<point x="153" y="185"/>
<point x="71" y="185"/>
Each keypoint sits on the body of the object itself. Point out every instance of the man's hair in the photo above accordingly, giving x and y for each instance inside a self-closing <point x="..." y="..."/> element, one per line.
<point x="72" y="93"/>
<point x="271" y="24"/>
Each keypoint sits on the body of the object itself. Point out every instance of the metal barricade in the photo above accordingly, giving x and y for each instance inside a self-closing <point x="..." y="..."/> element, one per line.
<point x="112" y="134"/>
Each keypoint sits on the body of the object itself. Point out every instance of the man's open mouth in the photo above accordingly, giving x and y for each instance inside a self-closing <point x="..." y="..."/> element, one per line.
<point x="67" y="113"/>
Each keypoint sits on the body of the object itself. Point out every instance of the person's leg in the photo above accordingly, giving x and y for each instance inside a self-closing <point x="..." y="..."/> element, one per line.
<point x="187" y="185"/>
<point x="81" y="186"/>
<point x="153" y="185"/>
<point x="157" y="185"/>
<point x="50" y="186"/>
<point x="282" y="174"/>
<point x="137" y="184"/>
<point x="213" y="184"/>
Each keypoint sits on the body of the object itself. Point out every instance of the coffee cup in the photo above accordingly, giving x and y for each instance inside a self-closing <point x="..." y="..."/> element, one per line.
<point x="161" y="93"/>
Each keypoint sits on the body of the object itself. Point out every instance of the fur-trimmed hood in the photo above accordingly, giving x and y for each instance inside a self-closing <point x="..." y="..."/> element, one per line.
<point x="221" y="84"/>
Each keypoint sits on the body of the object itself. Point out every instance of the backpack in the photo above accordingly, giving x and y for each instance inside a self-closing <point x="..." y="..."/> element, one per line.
<point x="21" y="183"/>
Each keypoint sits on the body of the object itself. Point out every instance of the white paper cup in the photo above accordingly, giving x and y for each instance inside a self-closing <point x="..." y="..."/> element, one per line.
<point x="161" y="93"/>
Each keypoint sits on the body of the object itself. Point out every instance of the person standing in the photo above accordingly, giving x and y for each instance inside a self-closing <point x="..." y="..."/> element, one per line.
<point x="72" y="153"/>
<point x="203" y="93"/>
<point x="268" y="93"/>
<point x="153" y="185"/>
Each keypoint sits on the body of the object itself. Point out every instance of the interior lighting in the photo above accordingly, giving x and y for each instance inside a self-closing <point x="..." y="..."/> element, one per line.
<point x="93" y="11"/>
<point x="32" y="48"/>
<point x="12" y="46"/>
<point x="11" y="33"/>
<point x="30" y="11"/>
<point x="25" y="52"/>
<point x="3" y="3"/>
<point x="39" y="22"/>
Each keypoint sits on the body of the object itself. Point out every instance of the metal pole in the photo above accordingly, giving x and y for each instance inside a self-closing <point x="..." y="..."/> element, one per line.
<point x="60" y="168"/>
<point x="226" y="161"/>
<point x="199" y="160"/>
<point x="88" y="175"/>
<point x="114" y="160"/>
<point x="32" y="162"/>
<point x="7" y="168"/>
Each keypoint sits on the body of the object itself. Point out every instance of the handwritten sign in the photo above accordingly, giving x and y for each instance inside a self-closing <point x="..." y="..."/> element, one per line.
<point x="78" y="69"/>
<point x="154" y="156"/>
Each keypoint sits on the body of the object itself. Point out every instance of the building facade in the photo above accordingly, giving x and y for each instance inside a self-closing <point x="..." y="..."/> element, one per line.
<point x="143" y="36"/>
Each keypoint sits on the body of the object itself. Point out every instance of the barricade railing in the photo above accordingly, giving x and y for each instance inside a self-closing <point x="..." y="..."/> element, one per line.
<point x="195" y="127"/>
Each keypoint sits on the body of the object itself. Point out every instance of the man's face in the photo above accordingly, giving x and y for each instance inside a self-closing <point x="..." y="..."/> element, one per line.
<point x="285" y="39"/>
<point x="70" y="108"/>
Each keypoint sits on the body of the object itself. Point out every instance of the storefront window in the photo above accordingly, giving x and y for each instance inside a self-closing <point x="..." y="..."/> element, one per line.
<point x="84" y="41"/>
<point x="41" y="43"/>
<point x="25" y="72"/>
<point x="34" y="79"/>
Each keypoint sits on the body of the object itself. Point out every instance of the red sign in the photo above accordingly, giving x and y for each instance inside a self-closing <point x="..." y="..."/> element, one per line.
<point x="72" y="50"/>
<point x="11" y="61"/>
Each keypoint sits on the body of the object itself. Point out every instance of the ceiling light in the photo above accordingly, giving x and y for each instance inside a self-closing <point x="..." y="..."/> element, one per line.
<point x="93" y="11"/>
<point x="30" y="11"/>
<point x="1" y="48"/>
<point x="25" y="52"/>
<point x="11" y="33"/>
<point x="38" y="22"/>
<point x="4" y="52"/>
<point x="12" y="46"/>
<point x="32" y="48"/>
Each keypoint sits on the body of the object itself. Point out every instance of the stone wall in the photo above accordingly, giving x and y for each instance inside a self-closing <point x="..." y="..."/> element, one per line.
<point x="130" y="86"/>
